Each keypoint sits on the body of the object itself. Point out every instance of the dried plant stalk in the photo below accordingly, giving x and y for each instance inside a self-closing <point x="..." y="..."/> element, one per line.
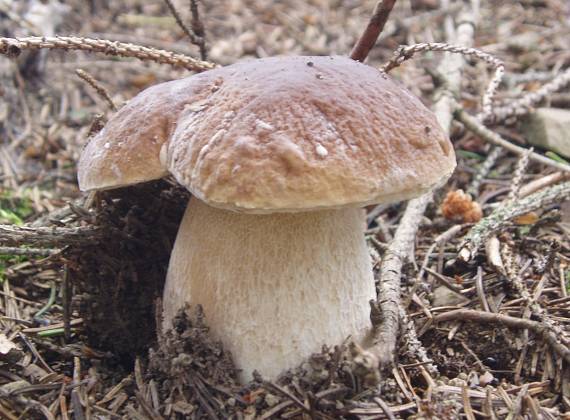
<point x="406" y="52"/>
<point x="523" y="105"/>
<point x="195" y="38"/>
<point x="101" y="91"/>
<point x="12" y="47"/>
<point x="474" y="125"/>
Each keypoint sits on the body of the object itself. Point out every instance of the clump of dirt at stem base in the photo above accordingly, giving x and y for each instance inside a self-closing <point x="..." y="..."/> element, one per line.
<point x="118" y="278"/>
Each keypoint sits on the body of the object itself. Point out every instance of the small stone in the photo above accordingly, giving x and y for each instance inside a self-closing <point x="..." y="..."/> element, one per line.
<point x="183" y="407"/>
<point x="6" y="346"/>
<point x="248" y="42"/>
<point x="526" y="41"/>
<point x="549" y="128"/>
<point x="14" y="386"/>
<point x="443" y="296"/>
<point x="35" y="373"/>
<point x="457" y="382"/>
<point x="271" y="400"/>
<point x="486" y="378"/>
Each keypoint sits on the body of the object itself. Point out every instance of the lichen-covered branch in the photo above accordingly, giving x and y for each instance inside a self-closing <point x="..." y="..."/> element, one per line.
<point x="502" y="215"/>
<point x="414" y="347"/>
<point x="12" y="250"/>
<point x="385" y="335"/>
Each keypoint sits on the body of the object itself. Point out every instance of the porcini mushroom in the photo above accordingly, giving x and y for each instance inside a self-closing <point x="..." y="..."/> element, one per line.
<point x="280" y="154"/>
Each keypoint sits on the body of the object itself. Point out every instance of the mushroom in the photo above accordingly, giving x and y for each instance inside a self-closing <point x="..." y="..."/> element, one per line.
<point x="280" y="155"/>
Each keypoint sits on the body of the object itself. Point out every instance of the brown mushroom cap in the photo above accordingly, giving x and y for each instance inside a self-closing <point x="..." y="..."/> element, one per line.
<point x="276" y="134"/>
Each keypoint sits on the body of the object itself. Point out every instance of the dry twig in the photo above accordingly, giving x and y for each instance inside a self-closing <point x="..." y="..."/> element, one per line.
<point x="11" y="235"/>
<point x="385" y="335"/>
<point x="12" y="47"/>
<point x="198" y="28"/>
<point x="474" y="125"/>
<point x="524" y="105"/>
<point x="406" y="52"/>
<point x="101" y="91"/>
<point x="195" y="38"/>
<point x="372" y="32"/>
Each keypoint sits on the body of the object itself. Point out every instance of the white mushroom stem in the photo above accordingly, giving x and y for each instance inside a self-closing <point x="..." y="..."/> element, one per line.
<point x="274" y="287"/>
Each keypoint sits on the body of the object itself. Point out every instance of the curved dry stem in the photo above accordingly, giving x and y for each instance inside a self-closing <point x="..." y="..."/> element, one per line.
<point x="404" y="53"/>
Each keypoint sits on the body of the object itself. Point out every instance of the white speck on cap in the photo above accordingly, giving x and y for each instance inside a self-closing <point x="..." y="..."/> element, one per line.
<point x="321" y="150"/>
<point x="263" y="125"/>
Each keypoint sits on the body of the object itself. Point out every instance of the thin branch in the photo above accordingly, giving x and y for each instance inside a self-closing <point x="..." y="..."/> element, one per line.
<point x="386" y="334"/>
<point x="101" y="91"/>
<point x="194" y="37"/>
<point x="198" y="28"/>
<point x="406" y="52"/>
<point x="13" y="47"/>
<point x="510" y="322"/>
<point x="373" y="30"/>
<point x="44" y="252"/>
<point x="517" y="177"/>
<point x="524" y="105"/>
<point x="474" y="125"/>
<point x="483" y="171"/>
<point x="55" y="237"/>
